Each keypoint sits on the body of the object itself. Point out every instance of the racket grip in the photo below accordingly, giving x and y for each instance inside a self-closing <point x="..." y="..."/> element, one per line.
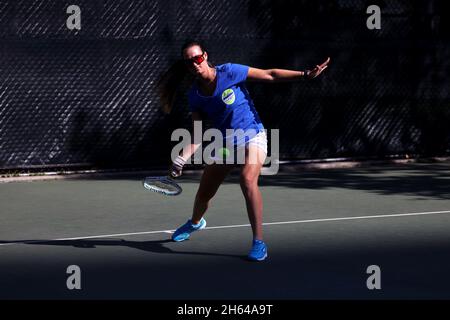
<point x="177" y="166"/>
<point x="174" y="174"/>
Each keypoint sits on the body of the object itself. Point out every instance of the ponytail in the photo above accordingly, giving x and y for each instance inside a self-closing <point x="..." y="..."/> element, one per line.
<point x="169" y="83"/>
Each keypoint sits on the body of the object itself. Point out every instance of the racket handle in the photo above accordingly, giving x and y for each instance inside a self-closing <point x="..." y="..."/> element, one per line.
<point x="174" y="174"/>
<point x="177" y="166"/>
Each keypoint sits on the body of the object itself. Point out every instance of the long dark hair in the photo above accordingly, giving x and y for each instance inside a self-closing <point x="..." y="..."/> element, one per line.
<point x="173" y="77"/>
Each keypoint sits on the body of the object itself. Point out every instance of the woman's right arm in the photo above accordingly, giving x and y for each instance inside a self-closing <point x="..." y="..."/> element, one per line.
<point x="188" y="151"/>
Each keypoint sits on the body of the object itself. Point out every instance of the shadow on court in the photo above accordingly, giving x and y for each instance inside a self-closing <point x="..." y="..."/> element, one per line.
<point x="409" y="271"/>
<point x="147" y="246"/>
<point x="421" y="180"/>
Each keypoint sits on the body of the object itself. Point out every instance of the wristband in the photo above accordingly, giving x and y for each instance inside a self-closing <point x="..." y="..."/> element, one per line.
<point x="305" y="74"/>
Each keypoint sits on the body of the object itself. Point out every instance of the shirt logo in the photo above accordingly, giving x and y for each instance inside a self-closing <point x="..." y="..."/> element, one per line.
<point x="228" y="96"/>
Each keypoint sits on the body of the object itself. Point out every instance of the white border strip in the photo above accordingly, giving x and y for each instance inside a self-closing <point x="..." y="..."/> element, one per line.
<point x="234" y="226"/>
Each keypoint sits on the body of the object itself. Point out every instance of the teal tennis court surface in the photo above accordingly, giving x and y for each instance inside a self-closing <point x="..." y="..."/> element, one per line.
<point x="323" y="228"/>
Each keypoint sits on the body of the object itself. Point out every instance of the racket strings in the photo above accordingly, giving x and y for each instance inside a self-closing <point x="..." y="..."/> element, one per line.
<point x="162" y="185"/>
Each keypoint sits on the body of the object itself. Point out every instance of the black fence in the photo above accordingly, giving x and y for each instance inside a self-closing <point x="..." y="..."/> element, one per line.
<point x="88" y="97"/>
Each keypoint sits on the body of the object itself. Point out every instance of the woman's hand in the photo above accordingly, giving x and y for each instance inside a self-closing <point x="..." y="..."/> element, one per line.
<point x="311" y="74"/>
<point x="177" y="167"/>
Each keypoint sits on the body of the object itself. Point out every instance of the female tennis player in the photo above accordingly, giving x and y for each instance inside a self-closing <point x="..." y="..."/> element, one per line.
<point x="219" y="92"/>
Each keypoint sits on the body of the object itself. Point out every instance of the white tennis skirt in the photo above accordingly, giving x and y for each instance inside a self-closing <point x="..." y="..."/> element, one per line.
<point x="260" y="141"/>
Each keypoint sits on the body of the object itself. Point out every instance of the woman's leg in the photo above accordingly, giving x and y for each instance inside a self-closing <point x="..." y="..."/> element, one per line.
<point x="254" y="160"/>
<point x="212" y="178"/>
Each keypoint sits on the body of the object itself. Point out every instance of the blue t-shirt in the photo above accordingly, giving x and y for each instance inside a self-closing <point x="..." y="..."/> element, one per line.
<point x="230" y="106"/>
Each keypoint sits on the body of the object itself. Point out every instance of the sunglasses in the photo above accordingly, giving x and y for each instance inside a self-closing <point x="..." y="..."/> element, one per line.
<point x="197" y="59"/>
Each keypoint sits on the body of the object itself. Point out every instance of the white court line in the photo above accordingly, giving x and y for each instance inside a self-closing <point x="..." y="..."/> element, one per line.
<point x="237" y="226"/>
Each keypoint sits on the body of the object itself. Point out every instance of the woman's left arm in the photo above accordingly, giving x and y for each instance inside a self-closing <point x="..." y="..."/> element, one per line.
<point x="281" y="75"/>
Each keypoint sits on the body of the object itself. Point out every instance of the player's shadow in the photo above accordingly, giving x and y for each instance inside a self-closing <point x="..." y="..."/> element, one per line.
<point x="157" y="246"/>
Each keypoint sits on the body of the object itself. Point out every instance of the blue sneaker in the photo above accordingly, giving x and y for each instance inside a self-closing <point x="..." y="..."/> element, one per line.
<point x="259" y="251"/>
<point x="183" y="232"/>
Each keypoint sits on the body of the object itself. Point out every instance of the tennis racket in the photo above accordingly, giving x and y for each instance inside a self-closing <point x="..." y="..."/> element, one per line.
<point x="162" y="184"/>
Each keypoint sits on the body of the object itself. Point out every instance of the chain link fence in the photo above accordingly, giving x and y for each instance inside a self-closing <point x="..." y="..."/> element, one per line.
<point x="87" y="98"/>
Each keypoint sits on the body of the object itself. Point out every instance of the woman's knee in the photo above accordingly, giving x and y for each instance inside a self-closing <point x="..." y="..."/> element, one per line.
<point x="248" y="181"/>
